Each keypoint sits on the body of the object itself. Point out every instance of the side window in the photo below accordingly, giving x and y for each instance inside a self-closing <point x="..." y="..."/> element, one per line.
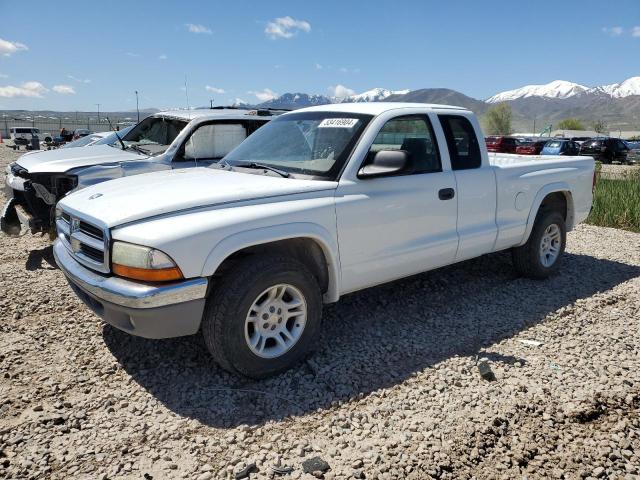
<point x="461" y="141"/>
<point x="214" y="140"/>
<point x="414" y="134"/>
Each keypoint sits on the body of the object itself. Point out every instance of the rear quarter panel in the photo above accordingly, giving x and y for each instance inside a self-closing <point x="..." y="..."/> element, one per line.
<point x="522" y="184"/>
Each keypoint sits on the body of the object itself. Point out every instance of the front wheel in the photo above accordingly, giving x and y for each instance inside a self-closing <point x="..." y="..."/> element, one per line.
<point x="263" y="316"/>
<point x="541" y="255"/>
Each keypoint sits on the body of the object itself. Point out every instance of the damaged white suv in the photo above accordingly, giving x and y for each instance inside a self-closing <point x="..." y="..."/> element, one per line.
<point x="163" y="141"/>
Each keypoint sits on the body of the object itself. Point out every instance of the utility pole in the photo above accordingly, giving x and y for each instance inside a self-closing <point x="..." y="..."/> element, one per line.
<point x="137" y="108"/>
<point x="534" y="124"/>
<point x="211" y="104"/>
<point x="98" y="113"/>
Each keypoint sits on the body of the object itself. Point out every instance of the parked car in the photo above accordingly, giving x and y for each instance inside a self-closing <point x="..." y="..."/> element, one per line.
<point x="164" y="141"/>
<point x="532" y="147"/>
<point x="633" y="155"/>
<point x="23" y="135"/>
<point x="501" y="144"/>
<point x="98" y="138"/>
<point x="579" y="140"/>
<point x="561" y="147"/>
<point x="81" y="132"/>
<point x="318" y="203"/>
<point x="605" y="149"/>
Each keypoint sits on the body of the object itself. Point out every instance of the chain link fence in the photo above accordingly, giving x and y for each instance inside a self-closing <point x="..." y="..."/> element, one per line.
<point x="51" y="126"/>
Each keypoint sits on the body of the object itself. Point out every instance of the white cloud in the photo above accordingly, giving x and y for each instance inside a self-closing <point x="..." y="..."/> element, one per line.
<point x="635" y="31"/>
<point x="197" y="28"/>
<point x="340" y="91"/>
<point x="4" y="75"/>
<point x="8" y="48"/>
<point x="238" y="101"/>
<point x="79" y="80"/>
<point x="27" y="89"/>
<point x="162" y="57"/>
<point x="64" y="89"/>
<point x="209" y="88"/>
<point x="318" y="66"/>
<point x="131" y="54"/>
<point x="286" y="27"/>
<point x="613" y="31"/>
<point x="265" y="95"/>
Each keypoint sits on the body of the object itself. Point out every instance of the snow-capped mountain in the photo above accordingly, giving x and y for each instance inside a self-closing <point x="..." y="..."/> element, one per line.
<point x="561" y="89"/>
<point x="296" y="100"/>
<point x="555" y="89"/>
<point x="301" y="100"/>
<point x="631" y="86"/>
<point x="373" y="95"/>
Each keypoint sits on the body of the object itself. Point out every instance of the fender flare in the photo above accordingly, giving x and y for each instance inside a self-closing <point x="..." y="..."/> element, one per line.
<point x="258" y="236"/>
<point x="537" y="201"/>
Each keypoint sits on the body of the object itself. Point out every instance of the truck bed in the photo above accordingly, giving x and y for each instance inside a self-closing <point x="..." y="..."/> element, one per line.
<point x="506" y="160"/>
<point x="522" y="179"/>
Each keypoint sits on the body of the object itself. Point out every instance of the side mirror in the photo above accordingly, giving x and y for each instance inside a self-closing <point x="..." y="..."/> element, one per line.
<point x="385" y="163"/>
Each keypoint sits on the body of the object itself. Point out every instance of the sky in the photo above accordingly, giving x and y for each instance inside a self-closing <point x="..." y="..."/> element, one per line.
<point x="75" y="57"/>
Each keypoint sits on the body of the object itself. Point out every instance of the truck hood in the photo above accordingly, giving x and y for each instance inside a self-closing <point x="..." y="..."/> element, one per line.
<point x="64" y="159"/>
<point x="130" y="199"/>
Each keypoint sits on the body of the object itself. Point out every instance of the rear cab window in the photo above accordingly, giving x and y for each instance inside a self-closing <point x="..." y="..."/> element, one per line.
<point x="462" y="142"/>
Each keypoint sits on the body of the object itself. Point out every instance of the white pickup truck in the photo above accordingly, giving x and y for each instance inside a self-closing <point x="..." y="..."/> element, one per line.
<point x="316" y="204"/>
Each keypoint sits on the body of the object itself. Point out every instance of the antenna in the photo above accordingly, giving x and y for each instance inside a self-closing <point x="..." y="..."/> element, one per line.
<point x="186" y="93"/>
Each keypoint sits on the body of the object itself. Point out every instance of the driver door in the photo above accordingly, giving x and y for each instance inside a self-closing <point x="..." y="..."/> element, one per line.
<point x="398" y="225"/>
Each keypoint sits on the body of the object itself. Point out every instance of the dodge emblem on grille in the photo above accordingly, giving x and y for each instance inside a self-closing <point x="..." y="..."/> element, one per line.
<point x="75" y="224"/>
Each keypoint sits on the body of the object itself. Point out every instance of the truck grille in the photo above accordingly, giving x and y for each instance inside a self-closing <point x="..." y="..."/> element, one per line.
<point x="88" y="243"/>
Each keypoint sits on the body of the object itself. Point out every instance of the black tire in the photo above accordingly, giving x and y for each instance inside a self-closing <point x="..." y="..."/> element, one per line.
<point x="223" y="323"/>
<point x="526" y="259"/>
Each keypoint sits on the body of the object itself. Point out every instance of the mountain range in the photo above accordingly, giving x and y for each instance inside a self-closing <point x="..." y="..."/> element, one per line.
<point x="616" y="104"/>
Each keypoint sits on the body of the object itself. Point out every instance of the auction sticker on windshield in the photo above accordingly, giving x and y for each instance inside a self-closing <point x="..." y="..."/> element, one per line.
<point x="338" y="123"/>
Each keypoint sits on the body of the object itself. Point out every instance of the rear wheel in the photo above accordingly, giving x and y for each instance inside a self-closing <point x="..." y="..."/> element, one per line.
<point x="263" y="316"/>
<point x="541" y="255"/>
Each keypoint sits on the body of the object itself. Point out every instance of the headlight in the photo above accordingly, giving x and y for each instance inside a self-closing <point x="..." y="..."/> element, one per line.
<point x="143" y="263"/>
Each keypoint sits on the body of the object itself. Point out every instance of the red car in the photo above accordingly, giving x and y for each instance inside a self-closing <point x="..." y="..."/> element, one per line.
<point x="501" y="144"/>
<point x="531" y="148"/>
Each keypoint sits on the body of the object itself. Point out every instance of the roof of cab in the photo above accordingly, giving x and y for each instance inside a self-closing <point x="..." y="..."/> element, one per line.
<point x="376" y="108"/>
<point x="215" y="113"/>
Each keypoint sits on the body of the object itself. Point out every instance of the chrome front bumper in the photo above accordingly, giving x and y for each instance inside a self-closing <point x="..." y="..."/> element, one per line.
<point x="147" y="310"/>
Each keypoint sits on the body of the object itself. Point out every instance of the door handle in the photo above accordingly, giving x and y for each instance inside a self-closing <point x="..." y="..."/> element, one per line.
<point x="446" y="194"/>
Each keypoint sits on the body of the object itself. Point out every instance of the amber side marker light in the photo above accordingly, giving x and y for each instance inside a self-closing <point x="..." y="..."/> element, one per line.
<point x="148" y="275"/>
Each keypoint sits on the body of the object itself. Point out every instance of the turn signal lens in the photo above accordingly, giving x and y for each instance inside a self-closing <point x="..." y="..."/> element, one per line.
<point x="143" y="263"/>
<point x="147" y="275"/>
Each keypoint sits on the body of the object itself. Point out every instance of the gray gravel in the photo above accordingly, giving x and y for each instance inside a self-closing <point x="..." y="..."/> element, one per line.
<point x="392" y="392"/>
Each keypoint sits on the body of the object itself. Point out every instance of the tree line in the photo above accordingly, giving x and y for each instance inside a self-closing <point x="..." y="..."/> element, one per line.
<point x="498" y="121"/>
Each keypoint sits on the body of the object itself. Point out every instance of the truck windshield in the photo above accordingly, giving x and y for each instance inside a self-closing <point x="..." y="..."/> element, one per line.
<point x="308" y="143"/>
<point x="153" y="135"/>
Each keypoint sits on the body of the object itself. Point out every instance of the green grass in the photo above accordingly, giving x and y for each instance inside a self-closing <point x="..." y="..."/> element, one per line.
<point x="616" y="203"/>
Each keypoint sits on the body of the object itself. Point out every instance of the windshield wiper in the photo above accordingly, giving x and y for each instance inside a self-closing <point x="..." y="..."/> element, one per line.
<point x="258" y="166"/>
<point x="117" y="136"/>
<point x="140" y="149"/>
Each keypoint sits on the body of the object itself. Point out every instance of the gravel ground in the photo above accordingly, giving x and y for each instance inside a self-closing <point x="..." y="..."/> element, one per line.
<point x="393" y="391"/>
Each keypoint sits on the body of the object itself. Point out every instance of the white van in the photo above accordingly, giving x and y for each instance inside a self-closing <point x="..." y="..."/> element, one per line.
<point x="23" y="135"/>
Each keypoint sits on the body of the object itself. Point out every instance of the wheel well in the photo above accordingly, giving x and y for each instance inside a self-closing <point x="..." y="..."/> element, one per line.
<point x="557" y="202"/>
<point x="305" y="250"/>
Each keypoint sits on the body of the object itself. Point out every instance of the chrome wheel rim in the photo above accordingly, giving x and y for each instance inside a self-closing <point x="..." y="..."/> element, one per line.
<point x="550" y="245"/>
<point x="275" y="321"/>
